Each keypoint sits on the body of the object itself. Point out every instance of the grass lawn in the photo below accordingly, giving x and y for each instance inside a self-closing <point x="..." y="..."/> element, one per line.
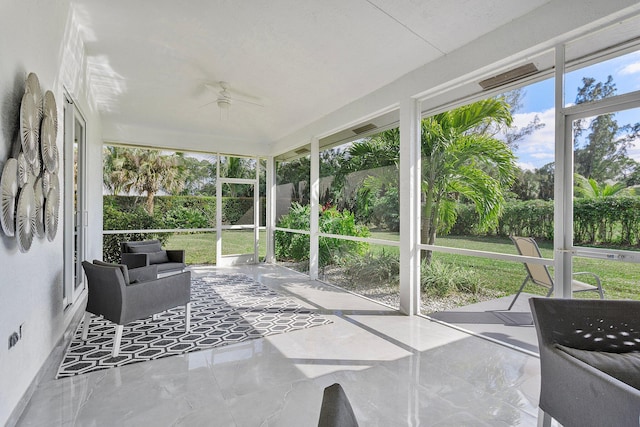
<point x="200" y="248"/>
<point x="619" y="280"/>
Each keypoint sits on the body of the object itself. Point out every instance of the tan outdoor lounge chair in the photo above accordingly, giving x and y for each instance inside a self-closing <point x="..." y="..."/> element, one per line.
<point x="539" y="273"/>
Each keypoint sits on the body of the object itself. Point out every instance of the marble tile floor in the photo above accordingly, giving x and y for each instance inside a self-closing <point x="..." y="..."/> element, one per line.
<point x="397" y="371"/>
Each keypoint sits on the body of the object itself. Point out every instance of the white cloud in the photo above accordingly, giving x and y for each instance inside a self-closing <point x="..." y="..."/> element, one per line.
<point x="544" y="156"/>
<point x="633" y="68"/>
<point x="526" y="166"/>
<point x="537" y="149"/>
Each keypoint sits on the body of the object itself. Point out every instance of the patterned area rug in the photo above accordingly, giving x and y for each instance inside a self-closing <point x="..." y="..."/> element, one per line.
<point x="225" y="309"/>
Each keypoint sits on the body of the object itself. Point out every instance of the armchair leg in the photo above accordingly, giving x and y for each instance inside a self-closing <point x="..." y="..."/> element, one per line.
<point x="85" y="325"/>
<point x="544" y="419"/>
<point x="187" y="314"/>
<point x="116" y="341"/>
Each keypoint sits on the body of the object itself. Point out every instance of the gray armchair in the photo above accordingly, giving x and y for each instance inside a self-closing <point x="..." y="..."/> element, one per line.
<point x="122" y="295"/>
<point x="150" y="252"/>
<point x="590" y="361"/>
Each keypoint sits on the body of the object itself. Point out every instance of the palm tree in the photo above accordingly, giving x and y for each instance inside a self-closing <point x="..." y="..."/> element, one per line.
<point x="590" y="189"/>
<point x="459" y="163"/>
<point x="148" y="172"/>
<point x="114" y="176"/>
<point x="236" y="167"/>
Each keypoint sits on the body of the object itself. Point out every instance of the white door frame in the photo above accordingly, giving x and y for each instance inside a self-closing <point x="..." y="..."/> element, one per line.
<point x="253" y="258"/>
<point x="74" y="281"/>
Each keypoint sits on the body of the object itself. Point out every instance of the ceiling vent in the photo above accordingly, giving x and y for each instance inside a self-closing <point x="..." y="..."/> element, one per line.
<point x="509" y="76"/>
<point x="365" y="128"/>
<point x="301" y="151"/>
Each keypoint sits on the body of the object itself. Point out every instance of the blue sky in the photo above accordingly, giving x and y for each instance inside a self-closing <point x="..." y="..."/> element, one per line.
<point x="538" y="149"/>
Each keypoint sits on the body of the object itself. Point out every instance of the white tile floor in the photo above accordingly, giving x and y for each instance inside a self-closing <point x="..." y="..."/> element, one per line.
<point x="396" y="370"/>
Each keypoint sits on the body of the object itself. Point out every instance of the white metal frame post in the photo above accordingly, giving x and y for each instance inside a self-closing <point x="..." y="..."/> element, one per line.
<point x="314" y="238"/>
<point x="409" y="206"/>
<point x="271" y="209"/>
<point x="218" y="212"/>
<point x="256" y="214"/>
<point x="563" y="187"/>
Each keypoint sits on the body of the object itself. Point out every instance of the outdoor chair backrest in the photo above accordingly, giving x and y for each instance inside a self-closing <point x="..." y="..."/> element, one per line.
<point x="538" y="273"/>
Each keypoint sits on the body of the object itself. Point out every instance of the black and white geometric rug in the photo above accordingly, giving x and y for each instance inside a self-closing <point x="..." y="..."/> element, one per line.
<point x="225" y="309"/>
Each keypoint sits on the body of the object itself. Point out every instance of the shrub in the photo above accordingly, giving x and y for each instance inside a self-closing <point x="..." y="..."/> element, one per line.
<point x="116" y="219"/>
<point x="441" y="279"/>
<point x="295" y="247"/>
<point x="372" y="267"/>
<point x="184" y="217"/>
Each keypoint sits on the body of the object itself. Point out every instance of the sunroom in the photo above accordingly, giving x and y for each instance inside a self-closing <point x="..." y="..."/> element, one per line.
<point x="311" y="121"/>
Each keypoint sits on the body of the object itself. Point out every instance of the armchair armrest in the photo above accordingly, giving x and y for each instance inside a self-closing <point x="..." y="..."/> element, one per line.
<point x="154" y="296"/>
<point x="175" y="255"/>
<point x="135" y="260"/>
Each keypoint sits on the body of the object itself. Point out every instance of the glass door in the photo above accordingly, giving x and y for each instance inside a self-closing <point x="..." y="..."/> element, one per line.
<point x="75" y="201"/>
<point x="238" y="225"/>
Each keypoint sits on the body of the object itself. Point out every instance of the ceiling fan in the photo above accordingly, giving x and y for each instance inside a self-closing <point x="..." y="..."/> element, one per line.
<point x="228" y="95"/>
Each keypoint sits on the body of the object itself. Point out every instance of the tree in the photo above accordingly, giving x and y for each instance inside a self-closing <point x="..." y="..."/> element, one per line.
<point x="604" y="154"/>
<point x="458" y="163"/>
<point x="526" y="185"/>
<point x="588" y="188"/>
<point x="148" y="172"/>
<point x="199" y="175"/>
<point x="546" y="176"/>
<point x="377" y="197"/>
<point x="511" y="134"/>
<point x="114" y="175"/>
<point x="237" y="167"/>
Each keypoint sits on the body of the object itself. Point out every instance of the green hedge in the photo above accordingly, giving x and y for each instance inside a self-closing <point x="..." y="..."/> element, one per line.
<point x="609" y="221"/>
<point x="127" y="213"/>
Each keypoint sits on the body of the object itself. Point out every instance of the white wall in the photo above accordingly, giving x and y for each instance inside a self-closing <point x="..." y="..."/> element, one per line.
<point x="39" y="36"/>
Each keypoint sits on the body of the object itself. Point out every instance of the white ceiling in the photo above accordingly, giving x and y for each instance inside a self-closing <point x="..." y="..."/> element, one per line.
<point x="150" y="59"/>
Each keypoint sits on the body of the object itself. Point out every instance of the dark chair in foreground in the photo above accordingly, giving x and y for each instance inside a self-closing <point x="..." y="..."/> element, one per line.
<point x="539" y="273"/>
<point x="122" y="295"/>
<point x="590" y="361"/>
<point x="336" y="410"/>
<point x="150" y="252"/>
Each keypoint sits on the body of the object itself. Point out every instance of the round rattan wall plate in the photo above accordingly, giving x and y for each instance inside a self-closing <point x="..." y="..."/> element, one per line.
<point x="48" y="145"/>
<point x="8" y="192"/>
<point x="50" y="108"/>
<point x="51" y="209"/>
<point x="25" y="218"/>
<point x="29" y="128"/>
<point x="46" y="182"/>
<point x="23" y="170"/>
<point x="38" y="195"/>
<point x="32" y="87"/>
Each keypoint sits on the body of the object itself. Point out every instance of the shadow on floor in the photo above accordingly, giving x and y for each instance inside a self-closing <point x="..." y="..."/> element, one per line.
<point x="491" y="319"/>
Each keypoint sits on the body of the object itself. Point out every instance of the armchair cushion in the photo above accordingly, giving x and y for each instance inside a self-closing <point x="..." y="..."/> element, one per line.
<point x="158" y="257"/>
<point x="144" y="247"/>
<point x="623" y="366"/>
<point x="150" y="252"/>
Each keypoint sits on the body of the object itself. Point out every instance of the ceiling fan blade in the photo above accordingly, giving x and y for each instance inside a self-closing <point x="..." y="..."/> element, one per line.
<point x="208" y="103"/>
<point x="246" y="101"/>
